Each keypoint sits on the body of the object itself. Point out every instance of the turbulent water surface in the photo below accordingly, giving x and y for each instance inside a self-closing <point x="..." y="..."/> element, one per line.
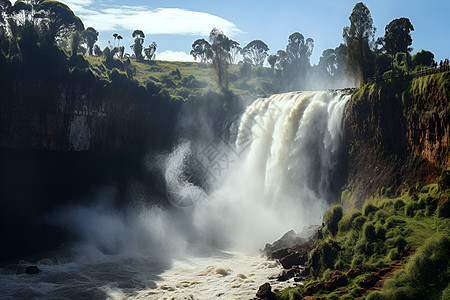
<point x="270" y="171"/>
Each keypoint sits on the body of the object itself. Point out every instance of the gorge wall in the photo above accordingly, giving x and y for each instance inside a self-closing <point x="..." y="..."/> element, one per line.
<point x="397" y="134"/>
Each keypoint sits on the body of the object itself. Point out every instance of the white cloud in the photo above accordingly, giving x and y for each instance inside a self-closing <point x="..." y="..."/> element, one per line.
<point x="174" y="56"/>
<point x="105" y="17"/>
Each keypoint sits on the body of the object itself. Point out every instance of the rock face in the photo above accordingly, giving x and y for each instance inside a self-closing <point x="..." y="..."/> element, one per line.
<point x="396" y="133"/>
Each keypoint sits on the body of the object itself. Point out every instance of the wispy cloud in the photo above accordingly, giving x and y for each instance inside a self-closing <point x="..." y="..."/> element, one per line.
<point x="106" y="17"/>
<point x="174" y="56"/>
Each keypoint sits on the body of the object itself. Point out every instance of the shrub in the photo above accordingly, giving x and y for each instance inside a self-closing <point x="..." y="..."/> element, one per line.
<point x="345" y="224"/>
<point x="381" y="216"/>
<point x="358" y="222"/>
<point x="332" y="217"/>
<point x="368" y="208"/>
<point x="444" y="180"/>
<point x="394" y="254"/>
<point x="443" y="211"/>
<point x="380" y="233"/>
<point x="400" y="243"/>
<point x="369" y="233"/>
<point x="357" y="260"/>
<point x="411" y="208"/>
<point x="399" y="204"/>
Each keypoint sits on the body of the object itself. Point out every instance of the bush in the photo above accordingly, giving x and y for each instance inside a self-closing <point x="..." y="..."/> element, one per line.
<point x="345" y="224"/>
<point x="368" y="208"/>
<point x="411" y="208"/>
<point x="399" y="204"/>
<point x="332" y="217"/>
<point x="357" y="260"/>
<point x="400" y="243"/>
<point x="394" y="254"/>
<point x="443" y="211"/>
<point x="369" y="233"/>
<point x="444" y="180"/>
<point x="358" y="223"/>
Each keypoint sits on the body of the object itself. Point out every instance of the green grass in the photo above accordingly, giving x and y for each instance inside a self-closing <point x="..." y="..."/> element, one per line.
<point x="184" y="80"/>
<point x="377" y="236"/>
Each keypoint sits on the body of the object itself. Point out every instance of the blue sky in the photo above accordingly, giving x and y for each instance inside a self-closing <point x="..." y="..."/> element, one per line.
<point x="174" y="25"/>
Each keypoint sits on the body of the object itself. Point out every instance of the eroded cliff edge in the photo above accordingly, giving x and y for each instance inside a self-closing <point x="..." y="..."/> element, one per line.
<point x="397" y="136"/>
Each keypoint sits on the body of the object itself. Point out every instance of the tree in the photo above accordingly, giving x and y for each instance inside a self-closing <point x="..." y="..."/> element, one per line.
<point x="119" y="37"/>
<point x="332" y="63"/>
<point x="281" y="63"/>
<point x="272" y="60"/>
<point x="298" y="51"/>
<point x="199" y="49"/>
<point x="235" y="49"/>
<point x="397" y="36"/>
<point x="98" y="52"/>
<point x="219" y="55"/>
<point x="59" y="18"/>
<point x="90" y="37"/>
<point x="423" y="58"/>
<point x="359" y="39"/>
<point x="150" y="52"/>
<point x="139" y="37"/>
<point x="75" y="43"/>
<point x="115" y="35"/>
<point x="255" y="52"/>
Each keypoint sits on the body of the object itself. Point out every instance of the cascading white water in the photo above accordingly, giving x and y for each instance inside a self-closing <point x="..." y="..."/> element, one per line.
<point x="275" y="174"/>
<point x="288" y="148"/>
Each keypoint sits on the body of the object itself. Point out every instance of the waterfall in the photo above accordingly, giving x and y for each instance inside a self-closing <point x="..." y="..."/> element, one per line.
<point x="270" y="171"/>
<point x="286" y="153"/>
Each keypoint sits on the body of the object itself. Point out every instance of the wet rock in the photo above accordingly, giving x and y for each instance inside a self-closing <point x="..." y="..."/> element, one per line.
<point x="32" y="270"/>
<point x="384" y="271"/>
<point x="279" y="254"/>
<point x="288" y="274"/>
<point x="293" y="259"/>
<point x="336" y="281"/>
<point x="265" y="292"/>
<point x="355" y="271"/>
<point x="289" y="239"/>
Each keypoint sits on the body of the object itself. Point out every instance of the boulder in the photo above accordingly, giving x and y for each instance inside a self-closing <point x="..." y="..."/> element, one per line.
<point x="293" y="259"/>
<point x="370" y="281"/>
<point x="32" y="270"/>
<point x="279" y="254"/>
<point x="265" y="292"/>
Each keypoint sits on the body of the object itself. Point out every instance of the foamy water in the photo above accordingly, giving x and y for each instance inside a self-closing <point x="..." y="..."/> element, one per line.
<point x="223" y="275"/>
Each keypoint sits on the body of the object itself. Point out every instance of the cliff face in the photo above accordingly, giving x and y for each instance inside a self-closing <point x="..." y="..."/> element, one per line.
<point x="397" y="134"/>
<point x="78" y="112"/>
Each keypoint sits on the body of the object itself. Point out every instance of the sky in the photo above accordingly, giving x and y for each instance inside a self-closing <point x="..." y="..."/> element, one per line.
<point x="175" y="24"/>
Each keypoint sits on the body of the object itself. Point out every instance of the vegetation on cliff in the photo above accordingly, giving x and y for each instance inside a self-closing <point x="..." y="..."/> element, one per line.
<point x="366" y="245"/>
<point x="397" y="131"/>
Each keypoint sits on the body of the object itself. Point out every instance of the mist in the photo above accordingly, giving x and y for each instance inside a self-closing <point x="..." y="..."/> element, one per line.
<point x="271" y="172"/>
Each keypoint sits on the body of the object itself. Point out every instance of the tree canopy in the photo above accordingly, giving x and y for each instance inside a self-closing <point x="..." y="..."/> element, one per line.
<point x="397" y="36"/>
<point x="255" y="52"/>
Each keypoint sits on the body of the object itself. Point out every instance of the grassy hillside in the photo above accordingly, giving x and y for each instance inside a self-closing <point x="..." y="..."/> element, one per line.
<point x="405" y="238"/>
<point x="184" y="80"/>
